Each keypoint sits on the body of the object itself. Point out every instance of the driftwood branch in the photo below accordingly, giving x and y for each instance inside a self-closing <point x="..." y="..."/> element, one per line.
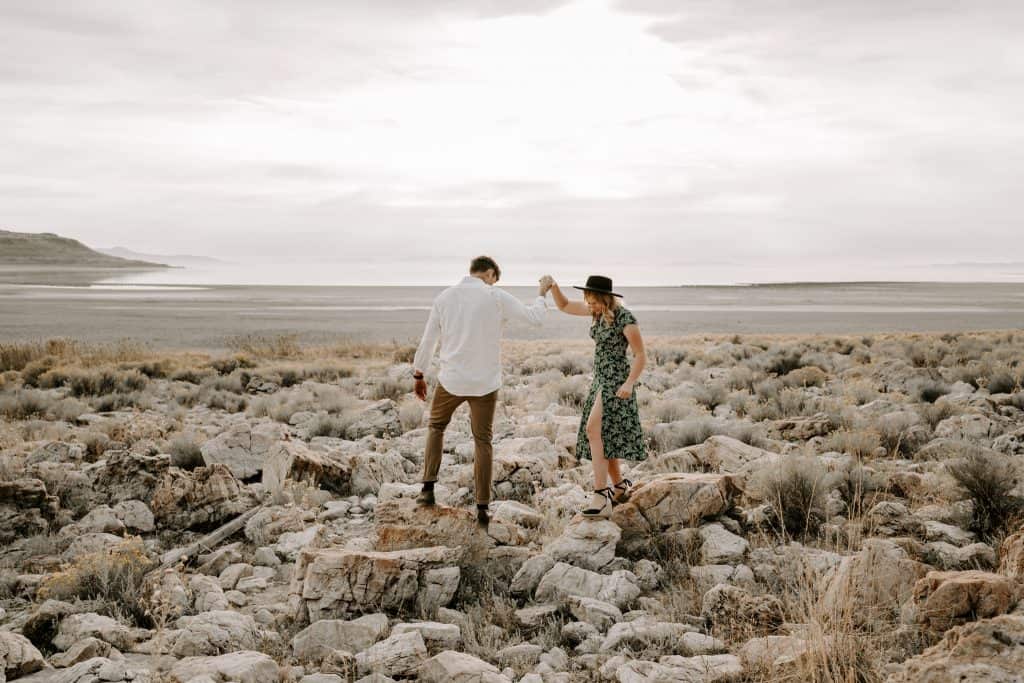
<point x="210" y="540"/>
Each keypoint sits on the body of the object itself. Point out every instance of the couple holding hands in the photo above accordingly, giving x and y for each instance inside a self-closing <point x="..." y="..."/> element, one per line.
<point x="465" y="329"/>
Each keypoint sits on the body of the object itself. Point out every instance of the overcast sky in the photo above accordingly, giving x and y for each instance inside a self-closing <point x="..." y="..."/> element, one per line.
<point x="644" y="138"/>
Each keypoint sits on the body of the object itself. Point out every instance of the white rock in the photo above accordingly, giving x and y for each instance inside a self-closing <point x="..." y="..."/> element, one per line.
<point x="435" y="634"/>
<point x="399" y="655"/>
<point x="242" y="667"/>
<point x="720" y="546"/>
<point x="458" y="667"/>
<point x="320" y="637"/>
<point x="564" y="580"/>
<point x="586" y="543"/>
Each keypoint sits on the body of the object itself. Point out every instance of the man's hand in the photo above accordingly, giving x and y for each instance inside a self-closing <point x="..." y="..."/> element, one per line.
<point x="545" y="284"/>
<point x="625" y="391"/>
<point x="420" y="388"/>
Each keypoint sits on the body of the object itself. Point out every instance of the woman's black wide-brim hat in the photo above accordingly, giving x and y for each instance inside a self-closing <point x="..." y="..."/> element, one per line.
<point x="599" y="284"/>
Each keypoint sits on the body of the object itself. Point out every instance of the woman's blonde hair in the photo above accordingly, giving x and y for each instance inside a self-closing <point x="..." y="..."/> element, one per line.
<point x="611" y="304"/>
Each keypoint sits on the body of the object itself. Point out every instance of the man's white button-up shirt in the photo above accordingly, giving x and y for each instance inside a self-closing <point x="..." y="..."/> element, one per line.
<point x="468" y="320"/>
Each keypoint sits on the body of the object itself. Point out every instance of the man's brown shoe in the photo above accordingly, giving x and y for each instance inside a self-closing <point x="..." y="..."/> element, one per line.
<point x="426" y="497"/>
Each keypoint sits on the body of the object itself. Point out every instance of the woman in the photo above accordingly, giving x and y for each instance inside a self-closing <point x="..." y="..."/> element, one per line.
<point x="610" y="429"/>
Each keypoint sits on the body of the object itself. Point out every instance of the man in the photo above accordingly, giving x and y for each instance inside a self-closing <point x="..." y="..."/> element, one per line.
<point x="468" y="320"/>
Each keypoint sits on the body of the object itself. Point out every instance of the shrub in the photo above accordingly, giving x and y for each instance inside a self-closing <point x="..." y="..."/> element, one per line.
<point x="934" y="413"/>
<point x="191" y="375"/>
<point x="696" y="430"/>
<point x="33" y="371"/>
<point x="388" y="388"/>
<point x="113" y="576"/>
<point x="98" y="382"/>
<point x="185" y="453"/>
<point x="796" y="490"/>
<point x="96" y="444"/>
<point x="1001" y="382"/>
<point x="988" y="478"/>
<point x="119" y="401"/>
<point x="808" y="376"/>
<point x="572" y="391"/>
<point x="225" y="400"/>
<point x="858" y="443"/>
<point x="24" y="404"/>
<point x="669" y="410"/>
<point x="328" y="425"/>
<point x="225" y="366"/>
<point x="16" y="355"/>
<point x="930" y="391"/>
<point x="410" y="414"/>
<point x="404" y="354"/>
<point x="783" y="362"/>
<point x="791" y="401"/>
<point x="710" y="394"/>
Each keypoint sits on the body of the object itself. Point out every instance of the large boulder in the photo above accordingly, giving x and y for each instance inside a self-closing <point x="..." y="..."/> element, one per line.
<point x="947" y="599"/>
<point x="400" y="655"/>
<point x="724" y="454"/>
<point x="675" y="668"/>
<point x="871" y="583"/>
<point x="245" y="666"/>
<point x="18" y="656"/>
<point x="378" y="419"/>
<point x="243" y="447"/>
<point x="131" y="475"/>
<point x="339" y="583"/>
<point x="586" y="543"/>
<point x="76" y="627"/>
<point x="26" y="509"/>
<point x="402" y="524"/>
<point x="458" y="667"/>
<point x="371" y="470"/>
<point x="564" y="580"/>
<point x="1011" y="555"/>
<point x="294" y="460"/>
<point x="321" y="637"/>
<point x="204" y="497"/>
<point x="669" y="502"/>
<point x="985" y="651"/>
<point x="215" y="633"/>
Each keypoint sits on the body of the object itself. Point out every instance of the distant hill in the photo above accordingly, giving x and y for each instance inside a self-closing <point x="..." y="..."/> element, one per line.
<point x="171" y="260"/>
<point x="47" y="249"/>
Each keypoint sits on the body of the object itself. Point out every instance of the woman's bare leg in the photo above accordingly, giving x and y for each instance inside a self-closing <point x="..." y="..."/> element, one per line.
<point x="614" y="470"/>
<point x="597" y="451"/>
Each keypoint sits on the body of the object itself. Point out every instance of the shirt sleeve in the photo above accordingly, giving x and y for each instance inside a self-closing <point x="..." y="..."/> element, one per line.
<point x="512" y="309"/>
<point x="626" y="317"/>
<point x="428" y="344"/>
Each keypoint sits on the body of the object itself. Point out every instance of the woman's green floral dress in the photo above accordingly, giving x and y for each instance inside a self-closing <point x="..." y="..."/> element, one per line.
<point x="620" y="425"/>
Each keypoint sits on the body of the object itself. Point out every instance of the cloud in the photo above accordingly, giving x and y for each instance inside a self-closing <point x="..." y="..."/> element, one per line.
<point x="779" y="133"/>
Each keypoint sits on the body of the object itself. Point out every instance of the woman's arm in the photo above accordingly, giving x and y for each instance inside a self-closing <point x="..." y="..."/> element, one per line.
<point x="636" y="345"/>
<point x="566" y="306"/>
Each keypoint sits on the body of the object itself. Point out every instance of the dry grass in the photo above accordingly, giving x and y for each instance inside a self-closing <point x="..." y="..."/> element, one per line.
<point x="113" y="576"/>
<point x="795" y="490"/>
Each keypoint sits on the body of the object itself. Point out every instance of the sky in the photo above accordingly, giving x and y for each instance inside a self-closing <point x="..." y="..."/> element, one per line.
<point x="658" y="141"/>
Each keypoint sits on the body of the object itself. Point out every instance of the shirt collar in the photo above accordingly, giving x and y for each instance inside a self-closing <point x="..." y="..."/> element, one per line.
<point x="473" y="281"/>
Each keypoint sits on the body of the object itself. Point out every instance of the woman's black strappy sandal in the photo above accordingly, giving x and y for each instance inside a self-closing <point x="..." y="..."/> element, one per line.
<point x="606" y="507"/>
<point x="621" y="492"/>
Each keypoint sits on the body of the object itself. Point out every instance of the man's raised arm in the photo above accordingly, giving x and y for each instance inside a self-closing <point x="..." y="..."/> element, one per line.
<point x="514" y="309"/>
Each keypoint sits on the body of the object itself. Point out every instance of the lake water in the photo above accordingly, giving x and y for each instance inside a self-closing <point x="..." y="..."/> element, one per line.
<point x="205" y="316"/>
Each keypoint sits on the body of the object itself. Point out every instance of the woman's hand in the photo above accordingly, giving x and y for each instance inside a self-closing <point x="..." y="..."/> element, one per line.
<point x="625" y="391"/>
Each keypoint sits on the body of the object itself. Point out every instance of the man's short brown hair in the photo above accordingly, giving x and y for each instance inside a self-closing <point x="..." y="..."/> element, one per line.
<point x="482" y="264"/>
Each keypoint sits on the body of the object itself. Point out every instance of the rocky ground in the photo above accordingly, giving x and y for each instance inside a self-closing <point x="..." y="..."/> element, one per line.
<point x="813" y="509"/>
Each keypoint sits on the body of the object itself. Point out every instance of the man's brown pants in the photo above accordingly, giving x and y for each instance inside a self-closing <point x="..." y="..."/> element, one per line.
<point x="481" y="419"/>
